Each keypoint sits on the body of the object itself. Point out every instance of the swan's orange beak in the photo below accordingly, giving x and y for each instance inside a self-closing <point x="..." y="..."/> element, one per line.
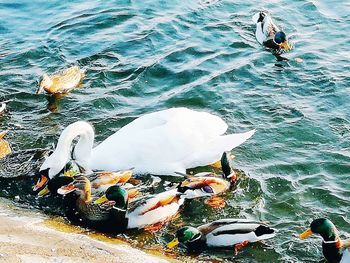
<point x="41" y="182"/>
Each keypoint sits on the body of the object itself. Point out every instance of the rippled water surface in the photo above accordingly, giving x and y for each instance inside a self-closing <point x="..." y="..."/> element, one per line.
<point x="143" y="56"/>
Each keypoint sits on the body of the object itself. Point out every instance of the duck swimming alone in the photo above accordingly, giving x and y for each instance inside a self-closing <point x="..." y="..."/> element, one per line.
<point x="61" y="82"/>
<point x="160" y="143"/>
<point x="223" y="233"/>
<point x="335" y="250"/>
<point x="268" y="34"/>
<point x="146" y="211"/>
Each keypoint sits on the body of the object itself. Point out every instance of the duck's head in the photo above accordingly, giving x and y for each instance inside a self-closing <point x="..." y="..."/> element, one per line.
<point x="281" y="40"/>
<point x="194" y="187"/>
<point x="45" y="84"/>
<point x="81" y="186"/>
<point x="53" y="185"/>
<point x="323" y="227"/>
<point x="185" y="235"/>
<point x="118" y="195"/>
<point x="226" y="161"/>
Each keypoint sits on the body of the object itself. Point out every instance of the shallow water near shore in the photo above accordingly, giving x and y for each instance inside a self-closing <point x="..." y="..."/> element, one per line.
<point x="143" y="56"/>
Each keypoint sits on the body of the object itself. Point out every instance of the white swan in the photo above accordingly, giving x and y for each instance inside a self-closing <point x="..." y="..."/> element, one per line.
<point x="160" y="143"/>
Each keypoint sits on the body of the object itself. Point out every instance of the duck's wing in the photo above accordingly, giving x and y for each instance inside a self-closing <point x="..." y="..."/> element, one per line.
<point x="259" y="19"/>
<point x="346" y="256"/>
<point x="68" y="78"/>
<point x="222" y="224"/>
<point x="227" y="232"/>
<point x="154" y="209"/>
<point x="265" y="27"/>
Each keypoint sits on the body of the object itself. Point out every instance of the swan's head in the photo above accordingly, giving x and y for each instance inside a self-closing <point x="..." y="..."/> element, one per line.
<point x="54" y="184"/>
<point x="281" y="40"/>
<point x="56" y="162"/>
<point x="45" y="84"/>
<point x="52" y="166"/>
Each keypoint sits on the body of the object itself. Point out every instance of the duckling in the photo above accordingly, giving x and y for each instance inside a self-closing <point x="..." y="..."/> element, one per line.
<point x="5" y="148"/>
<point x="268" y="34"/>
<point x="223" y="233"/>
<point x="61" y="82"/>
<point x="146" y="211"/>
<point x="335" y="249"/>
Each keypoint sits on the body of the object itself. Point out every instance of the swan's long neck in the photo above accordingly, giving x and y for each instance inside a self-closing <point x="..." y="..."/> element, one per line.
<point x="62" y="153"/>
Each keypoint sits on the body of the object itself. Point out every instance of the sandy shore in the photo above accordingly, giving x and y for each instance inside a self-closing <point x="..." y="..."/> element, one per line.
<point x="28" y="237"/>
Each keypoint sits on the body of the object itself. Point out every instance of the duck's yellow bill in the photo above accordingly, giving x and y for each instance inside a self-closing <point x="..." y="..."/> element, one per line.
<point x="306" y="234"/>
<point x="173" y="243"/>
<point x="44" y="192"/>
<point x="285" y="45"/>
<point x="217" y="164"/>
<point x="125" y="176"/>
<point x="101" y="200"/>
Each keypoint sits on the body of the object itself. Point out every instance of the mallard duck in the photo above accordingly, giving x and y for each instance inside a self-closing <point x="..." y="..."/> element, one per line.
<point x="61" y="82"/>
<point x="268" y="34"/>
<point x="5" y="148"/>
<point x="223" y="233"/>
<point x="160" y="143"/>
<point x="89" y="212"/>
<point x="143" y="212"/>
<point x="335" y="250"/>
<point x="209" y="184"/>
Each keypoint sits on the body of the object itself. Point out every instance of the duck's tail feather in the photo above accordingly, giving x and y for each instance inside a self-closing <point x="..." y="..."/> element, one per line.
<point x="212" y="151"/>
<point x="264" y="232"/>
<point x="255" y="17"/>
<point x="258" y="17"/>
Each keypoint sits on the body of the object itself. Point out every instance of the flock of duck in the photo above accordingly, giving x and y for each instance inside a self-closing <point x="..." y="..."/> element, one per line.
<point x="98" y="185"/>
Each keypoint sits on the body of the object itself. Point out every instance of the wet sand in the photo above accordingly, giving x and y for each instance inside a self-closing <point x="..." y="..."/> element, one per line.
<point x="27" y="236"/>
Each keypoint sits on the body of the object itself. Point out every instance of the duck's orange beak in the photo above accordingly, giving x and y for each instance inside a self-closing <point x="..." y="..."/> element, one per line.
<point x="41" y="182"/>
<point x="66" y="189"/>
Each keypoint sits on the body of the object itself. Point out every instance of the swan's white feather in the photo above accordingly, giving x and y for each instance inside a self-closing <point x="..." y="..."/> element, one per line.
<point x="166" y="142"/>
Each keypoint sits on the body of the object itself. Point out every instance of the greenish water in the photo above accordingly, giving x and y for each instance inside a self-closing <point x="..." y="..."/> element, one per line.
<point x="143" y="56"/>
